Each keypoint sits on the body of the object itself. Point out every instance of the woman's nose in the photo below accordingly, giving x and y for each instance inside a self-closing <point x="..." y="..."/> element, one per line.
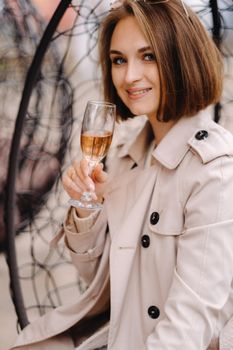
<point x="133" y="72"/>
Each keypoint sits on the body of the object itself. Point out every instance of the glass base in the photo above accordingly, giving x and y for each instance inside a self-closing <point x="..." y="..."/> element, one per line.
<point x="84" y="205"/>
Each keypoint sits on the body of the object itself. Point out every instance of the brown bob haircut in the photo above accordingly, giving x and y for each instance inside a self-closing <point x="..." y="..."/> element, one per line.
<point x="189" y="63"/>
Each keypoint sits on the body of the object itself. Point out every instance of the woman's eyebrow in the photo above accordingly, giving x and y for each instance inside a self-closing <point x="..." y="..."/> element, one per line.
<point x="141" y="50"/>
<point x="116" y="52"/>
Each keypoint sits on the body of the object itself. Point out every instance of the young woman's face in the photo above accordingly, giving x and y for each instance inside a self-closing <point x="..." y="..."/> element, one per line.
<point x="134" y="69"/>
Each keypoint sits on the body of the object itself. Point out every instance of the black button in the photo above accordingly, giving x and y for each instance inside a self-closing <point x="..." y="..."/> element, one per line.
<point x="145" y="241"/>
<point x="153" y="312"/>
<point x="201" y="135"/>
<point x="154" y="218"/>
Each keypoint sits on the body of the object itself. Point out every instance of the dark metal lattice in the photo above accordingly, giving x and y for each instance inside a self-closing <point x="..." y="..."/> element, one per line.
<point x="44" y="137"/>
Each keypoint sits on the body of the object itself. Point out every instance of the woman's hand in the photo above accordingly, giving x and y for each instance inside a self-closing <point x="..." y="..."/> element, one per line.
<point x="77" y="180"/>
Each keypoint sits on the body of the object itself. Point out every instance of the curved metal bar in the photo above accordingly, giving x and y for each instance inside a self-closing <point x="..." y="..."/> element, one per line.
<point x="13" y="162"/>
<point x="216" y="32"/>
<point x="216" y="29"/>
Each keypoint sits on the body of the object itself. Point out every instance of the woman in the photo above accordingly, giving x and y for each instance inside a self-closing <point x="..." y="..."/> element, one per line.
<point x="158" y="257"/>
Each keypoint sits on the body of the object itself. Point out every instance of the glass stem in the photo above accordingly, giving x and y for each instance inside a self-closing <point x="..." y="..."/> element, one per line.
<point x="86" y="196"/>
<point x="91" y="166"/>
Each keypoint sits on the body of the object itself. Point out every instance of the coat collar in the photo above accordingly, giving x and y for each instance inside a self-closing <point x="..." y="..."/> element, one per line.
<point x="172" y="148"/>
<point x="136" y="147"/>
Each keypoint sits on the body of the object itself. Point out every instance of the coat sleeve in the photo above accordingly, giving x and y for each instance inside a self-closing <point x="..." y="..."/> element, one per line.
<point x="85" y="247"/>
<point x="203" y="275"/>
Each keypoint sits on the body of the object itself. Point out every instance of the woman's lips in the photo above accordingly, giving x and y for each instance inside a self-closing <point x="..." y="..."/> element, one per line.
<point x="137" y="93"/>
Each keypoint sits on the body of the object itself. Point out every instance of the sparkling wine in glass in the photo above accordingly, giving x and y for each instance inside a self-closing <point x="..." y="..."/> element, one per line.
<point x="96" y="136"/>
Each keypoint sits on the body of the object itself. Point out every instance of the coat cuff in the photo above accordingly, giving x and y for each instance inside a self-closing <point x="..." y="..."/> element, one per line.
<point x="85" y="241"/>
<point x="84" y="224"/>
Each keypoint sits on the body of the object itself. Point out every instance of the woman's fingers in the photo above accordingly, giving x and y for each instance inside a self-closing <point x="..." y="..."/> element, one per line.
<point x="72" y="183"/>
<point x="70" y="186"/>
<point x="77" y="180"/>
<point x="82" y="172"/>
<point x="98" y="174"/>
<point x="84" y="167"/>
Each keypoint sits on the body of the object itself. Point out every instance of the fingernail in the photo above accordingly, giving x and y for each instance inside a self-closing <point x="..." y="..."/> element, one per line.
<point x="92" y="187"/>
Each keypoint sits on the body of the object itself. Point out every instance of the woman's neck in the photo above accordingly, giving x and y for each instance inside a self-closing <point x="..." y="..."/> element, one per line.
<point x="160" y="129"/>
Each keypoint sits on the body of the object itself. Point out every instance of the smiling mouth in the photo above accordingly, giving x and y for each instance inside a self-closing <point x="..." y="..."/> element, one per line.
<point x="138" y="92"/>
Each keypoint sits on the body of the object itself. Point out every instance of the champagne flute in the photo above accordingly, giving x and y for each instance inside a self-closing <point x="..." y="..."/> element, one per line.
<point x="96" y="136"/>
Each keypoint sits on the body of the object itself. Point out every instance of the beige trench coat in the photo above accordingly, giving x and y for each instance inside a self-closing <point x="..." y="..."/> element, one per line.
<point x="168" y="249"/>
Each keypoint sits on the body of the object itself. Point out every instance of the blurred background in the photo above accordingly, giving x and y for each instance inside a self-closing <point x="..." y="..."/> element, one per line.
<point x="69" y="76"/>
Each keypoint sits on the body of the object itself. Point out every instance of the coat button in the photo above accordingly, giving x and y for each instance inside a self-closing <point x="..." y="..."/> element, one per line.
<point x="154" y="218"/>
<point x="201" y="135"/>
<point x="145" y="241"/>
<point x="153" y="312"/>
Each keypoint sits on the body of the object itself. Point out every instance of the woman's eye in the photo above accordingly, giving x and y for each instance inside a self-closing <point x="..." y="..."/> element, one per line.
<point x="149" y="57"/>
<point x="118" y="60"/>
